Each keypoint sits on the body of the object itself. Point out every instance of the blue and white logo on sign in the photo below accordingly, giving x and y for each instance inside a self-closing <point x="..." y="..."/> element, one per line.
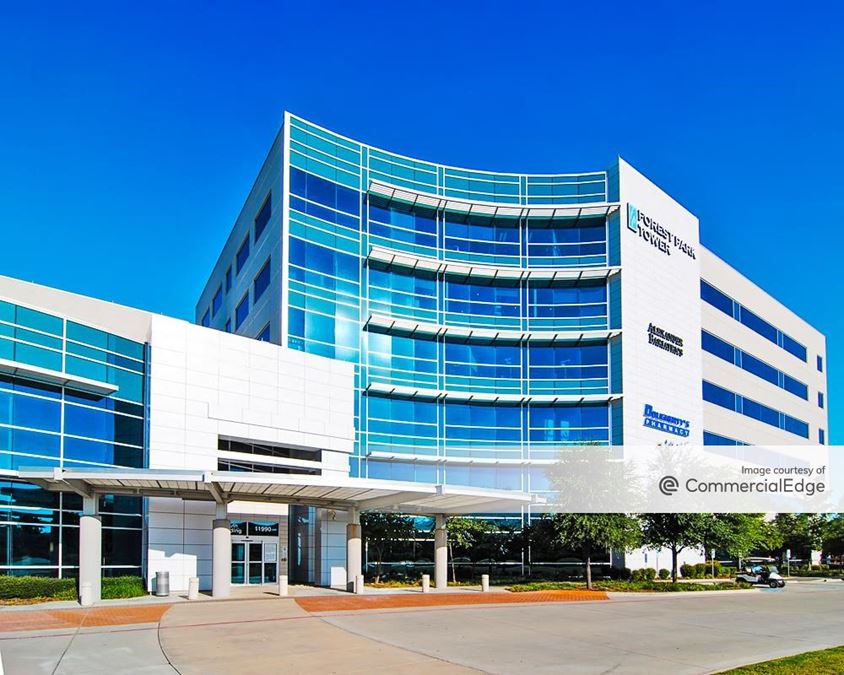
<point x="632" y="217"/>
<point x="667" y="423"/>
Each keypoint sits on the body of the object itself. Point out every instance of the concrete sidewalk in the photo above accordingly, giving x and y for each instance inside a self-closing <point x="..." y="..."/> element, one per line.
<point x="264" y="637"/>
<point x="441" y="633"/>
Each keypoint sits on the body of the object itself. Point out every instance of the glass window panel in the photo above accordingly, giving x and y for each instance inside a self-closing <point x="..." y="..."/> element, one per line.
<point x="85" y="368"/>
<point x="262" y="281"/>
<point x="103" y="425"/>
<point x="757" y="324"/>
<point x="38" y="320"/>
<point x="37" y="356"/>
<point x="241" y="312"/>
<point x="798" y="388"/>
<point x="242" y="256"/>
<point x="33" y="545"/>
<point x="87" y="335"/>
<point x="793" y="347"/>
<point x="717" y="346"/>
<point x="263" y="216"/>
<point x="719" y="396"/>
<point x="121" y="547"/>
<point x="795" y="426"/>
<point x="716" y="298"/>
<point x="217" y="301"/>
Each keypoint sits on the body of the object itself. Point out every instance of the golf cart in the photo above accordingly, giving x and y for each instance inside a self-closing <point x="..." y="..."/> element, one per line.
<point x="758" y="573"/>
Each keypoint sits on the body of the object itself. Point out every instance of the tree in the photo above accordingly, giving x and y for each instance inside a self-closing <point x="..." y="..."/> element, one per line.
<point x="381" y="529"/>
<point x="737" y="534"/>
<point x="800" y="533"/>
<point x="833" y="541"/>
<point x="592" y="533"/>
<point x="676" y="532"/>
<point x="466" y="535"/>
<point x="540" y="539"/>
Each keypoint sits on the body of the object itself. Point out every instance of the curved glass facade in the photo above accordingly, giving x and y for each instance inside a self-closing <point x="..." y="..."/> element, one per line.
<point x="490" y="345"/>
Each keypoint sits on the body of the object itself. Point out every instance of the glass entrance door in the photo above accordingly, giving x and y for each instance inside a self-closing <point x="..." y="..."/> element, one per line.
<point x="254" y="562"/>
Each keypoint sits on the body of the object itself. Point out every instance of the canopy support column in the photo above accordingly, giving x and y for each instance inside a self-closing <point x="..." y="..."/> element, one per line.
<point x="90" y="551"/>
<point x="221" y="554"/>
<point x="353" y="549"/>
<point x="440" y="553"/>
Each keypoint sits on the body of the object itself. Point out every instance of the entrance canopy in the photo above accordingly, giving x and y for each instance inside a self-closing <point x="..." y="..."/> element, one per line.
<point x="322" y="491"/>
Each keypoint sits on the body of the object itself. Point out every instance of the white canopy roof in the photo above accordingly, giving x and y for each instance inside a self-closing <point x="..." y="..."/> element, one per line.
<point x="330" y="492"/>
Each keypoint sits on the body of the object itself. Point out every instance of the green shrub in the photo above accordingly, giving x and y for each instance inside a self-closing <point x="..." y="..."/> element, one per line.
<point x="123" y="587"/>
<point x="664" y="573"/>
<point x="626" y="586"/>
<point x="686" y="570"/>
<point x="644" y="574"/>
<point x="29" y="588"/>
<point x="36" y="587"/>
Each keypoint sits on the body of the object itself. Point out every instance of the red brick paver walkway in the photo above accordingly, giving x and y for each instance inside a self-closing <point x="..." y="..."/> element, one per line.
<point x="48" y="619"/>
<point x="339" y="603"/>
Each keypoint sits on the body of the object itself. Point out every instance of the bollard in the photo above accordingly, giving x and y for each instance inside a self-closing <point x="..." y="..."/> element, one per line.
<point x="282" y="585"/>
<point x="86" y="595"/>
<point x="359" y="583"/>
<point x="485" y="583"/>
<point x="426" y="583"/>
<point x="193" y="588"/>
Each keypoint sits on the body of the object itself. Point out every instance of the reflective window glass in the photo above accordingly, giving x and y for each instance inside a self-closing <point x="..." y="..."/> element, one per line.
<point x="263" y="216"/>
<point x="262" y="281"/>
<point x="241" y="312"/>
<point x="242" y="255"/>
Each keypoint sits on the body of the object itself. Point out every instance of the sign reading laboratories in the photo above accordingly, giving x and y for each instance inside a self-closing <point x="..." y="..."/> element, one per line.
<point x="667" y="423"/>
<point x="655" y="234"/>
<point x="661" y="338"/>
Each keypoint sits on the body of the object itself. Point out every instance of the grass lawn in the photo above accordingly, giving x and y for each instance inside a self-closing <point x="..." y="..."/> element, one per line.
<point x="824" y="662"/>
<point x="626" y="586"/>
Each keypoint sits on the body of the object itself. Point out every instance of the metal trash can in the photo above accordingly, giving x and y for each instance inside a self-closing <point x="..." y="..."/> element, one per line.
<point x="162" y="584"/>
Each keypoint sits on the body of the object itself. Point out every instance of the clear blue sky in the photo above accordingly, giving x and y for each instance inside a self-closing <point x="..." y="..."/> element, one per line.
<point x="130" y="133"/>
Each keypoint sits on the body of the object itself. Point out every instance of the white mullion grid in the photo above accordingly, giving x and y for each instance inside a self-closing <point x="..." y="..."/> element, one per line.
<point x="323" y="134"/>
<point x="323" y="206"/>
<point x="341" y="297"/>
<point x="456" y="255"/>
<point x="319" y="160"/>
<point x="487" y="241"/>
<point x="403" y="229"/>
<point x="310" y="146"/>
<point x="299" y="221"/>
<point x="413" y="294"/>
<point x="407" y="183"/>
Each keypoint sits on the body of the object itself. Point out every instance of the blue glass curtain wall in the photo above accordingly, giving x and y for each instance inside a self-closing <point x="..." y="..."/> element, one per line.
<point x="334" y="290"/>
<point x="436" y="428"/>
<point x="43" y="425"/>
